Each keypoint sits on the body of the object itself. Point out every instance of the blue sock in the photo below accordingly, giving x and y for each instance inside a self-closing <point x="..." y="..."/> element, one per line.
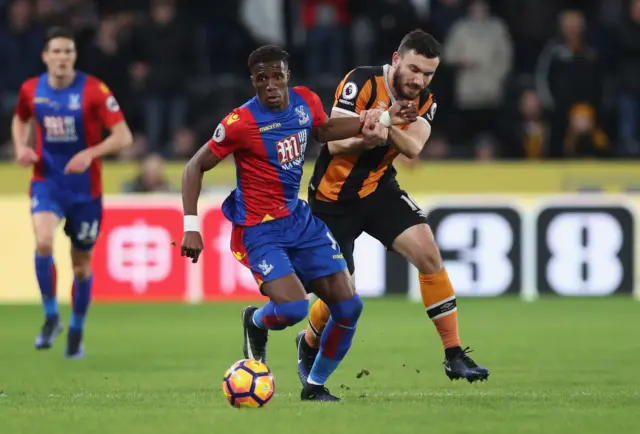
<point x="46" y="276"/>
<point x="81" y="300"/>
<point x="273" y="316"/>
<point x="336" y="338"/>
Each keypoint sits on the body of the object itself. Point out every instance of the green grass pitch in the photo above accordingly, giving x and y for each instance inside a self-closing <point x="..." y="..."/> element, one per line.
<point x="557" y="366"/>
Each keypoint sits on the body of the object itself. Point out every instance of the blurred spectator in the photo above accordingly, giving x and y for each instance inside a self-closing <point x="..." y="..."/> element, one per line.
<point x="21" y="43"/>
<point x="479" y="47"/>
<point x="584" y="139"/>
<point x="265" y="20"/>
<point x="6" y="151"/>
<point x="568" y="72"/>
<point x="82" y="18"/>
<point x="224" y="35"/>
<point x="48" y="12"/>
<point x="486" y="148"/>
<point x="392" y="19"/>
<point x="107" y="7"/>
<point x="363" y="39"/>
<point x="531" y="24"/>
<point x="184" y="144"/>
<point x="325" y="22"/>
<point x="136" y="151"/>
<point x="164" y="59"/>
<point x="172" y="63"/>
<point x="423" y="10"/>
<point x="444" y="14"/>
<point x="609" y="17"/>
<point x="629" y="80"/>
<point x="529" y="136"/>
<point x="437" y="148"/>
<point x="610" y="14"/>
<point x="151" y="178"/>
<point x="104" y="58"/>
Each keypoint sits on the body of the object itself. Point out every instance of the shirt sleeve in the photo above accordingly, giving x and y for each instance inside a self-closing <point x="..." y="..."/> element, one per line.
<point x="427" y="109"/>
<point x="314" y="102"/>
<point x="108" y="108"/>
<point x="227" y="137"/>
<point x="354" y="92"/>
<point x="24" y="108"/>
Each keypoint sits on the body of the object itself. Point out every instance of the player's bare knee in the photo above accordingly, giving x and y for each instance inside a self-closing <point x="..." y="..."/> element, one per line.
<point x="334" y="288"/>
<point x="418" y="245"/>
<point x="44" y="242"/>
<point x="81" y="264"/>
<point x="44" y="227"/>
<point x="429" y="261"/>
<point x="44" y="247"/>
<point x="343" y="303"/>
<point x="82" y="271"/>
<point x="343" y="287"/>
<point x="284" y="289"/>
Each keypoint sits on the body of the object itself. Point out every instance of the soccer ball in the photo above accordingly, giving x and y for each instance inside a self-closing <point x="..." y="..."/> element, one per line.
<point x="248" y="383"/>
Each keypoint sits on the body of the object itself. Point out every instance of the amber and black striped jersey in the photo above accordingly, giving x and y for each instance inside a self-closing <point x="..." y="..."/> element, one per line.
<point x="352" y="176"/>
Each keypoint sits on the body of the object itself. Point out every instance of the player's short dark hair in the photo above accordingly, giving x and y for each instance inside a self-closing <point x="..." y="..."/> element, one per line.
<point x="268" y="53"/>
<point x="422" y="43"/>
<point x="57" y="32"/>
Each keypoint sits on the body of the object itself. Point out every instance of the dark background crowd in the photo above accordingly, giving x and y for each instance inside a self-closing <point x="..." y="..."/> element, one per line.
<point x="519" y="79"/>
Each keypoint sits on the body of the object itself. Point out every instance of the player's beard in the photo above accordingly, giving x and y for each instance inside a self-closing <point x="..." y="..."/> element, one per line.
<point x="398" y="80"/>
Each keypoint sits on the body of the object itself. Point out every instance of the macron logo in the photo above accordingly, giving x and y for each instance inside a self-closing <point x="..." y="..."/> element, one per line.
<point x="270" y="127"/>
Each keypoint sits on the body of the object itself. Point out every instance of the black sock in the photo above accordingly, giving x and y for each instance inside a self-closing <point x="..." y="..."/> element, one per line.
<point x="452" y="352"/>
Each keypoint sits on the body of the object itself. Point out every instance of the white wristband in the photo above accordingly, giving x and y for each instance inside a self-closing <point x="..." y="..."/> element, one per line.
<point x="385" y="119"/>
<point x="191" y="223"/>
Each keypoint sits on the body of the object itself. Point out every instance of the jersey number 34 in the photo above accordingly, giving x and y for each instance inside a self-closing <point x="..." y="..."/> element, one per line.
<point x="88" y="231"/>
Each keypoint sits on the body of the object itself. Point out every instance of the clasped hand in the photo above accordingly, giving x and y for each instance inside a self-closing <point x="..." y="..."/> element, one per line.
<point x="376" y="134"/>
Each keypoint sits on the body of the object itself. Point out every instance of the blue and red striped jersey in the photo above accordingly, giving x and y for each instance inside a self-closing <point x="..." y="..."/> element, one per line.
<point x="268" y="147"/>
<point x="67" y="121"/>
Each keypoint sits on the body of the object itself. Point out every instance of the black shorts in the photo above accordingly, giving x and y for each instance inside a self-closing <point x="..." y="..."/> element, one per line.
<point x="384" y="215"/>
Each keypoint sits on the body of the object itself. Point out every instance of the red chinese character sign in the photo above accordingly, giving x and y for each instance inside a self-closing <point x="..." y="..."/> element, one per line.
<point x="134" y="260"/>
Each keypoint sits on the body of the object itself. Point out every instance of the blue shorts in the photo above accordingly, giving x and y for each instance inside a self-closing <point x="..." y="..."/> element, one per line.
<point x="83" y="217"/>
<point x="300" y="244"/>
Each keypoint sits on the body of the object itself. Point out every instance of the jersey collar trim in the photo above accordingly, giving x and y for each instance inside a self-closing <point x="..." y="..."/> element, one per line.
<point x="385" y="73"/>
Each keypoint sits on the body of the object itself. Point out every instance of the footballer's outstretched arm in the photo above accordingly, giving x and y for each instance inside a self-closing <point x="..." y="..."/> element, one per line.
<point x="203" y="161"/>
<point x="351" y="145"/>
<point x="337" y="129"/>
<point x="402" y="112"/>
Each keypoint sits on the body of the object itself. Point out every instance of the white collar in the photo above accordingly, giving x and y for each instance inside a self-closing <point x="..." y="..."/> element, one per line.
<point x="385" y="73"/>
